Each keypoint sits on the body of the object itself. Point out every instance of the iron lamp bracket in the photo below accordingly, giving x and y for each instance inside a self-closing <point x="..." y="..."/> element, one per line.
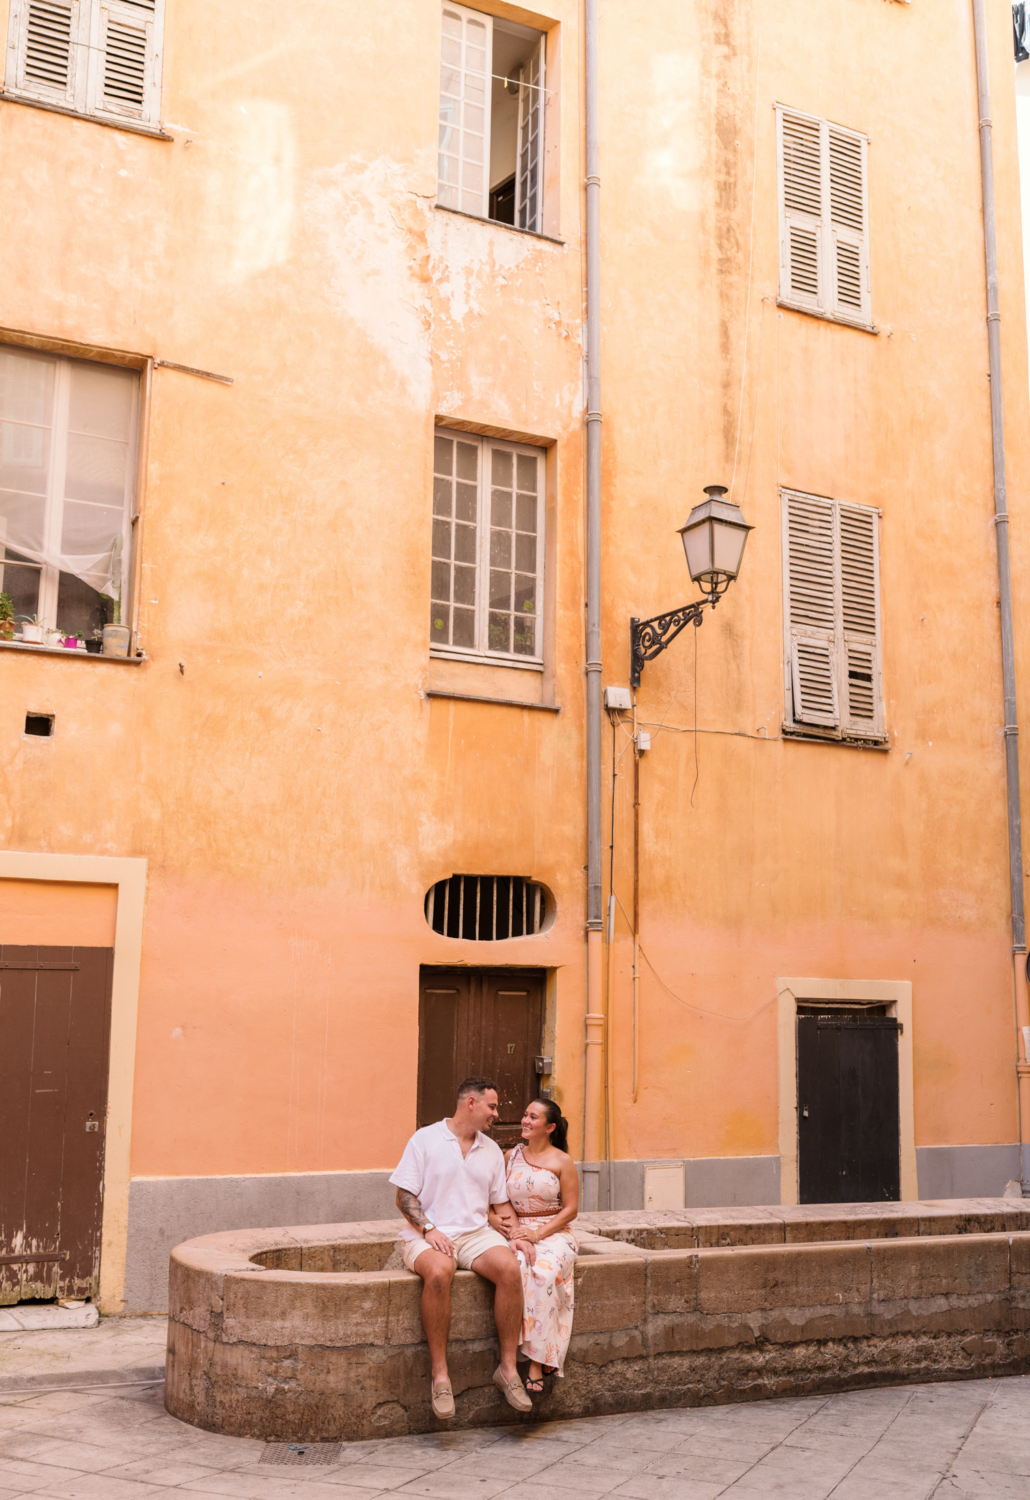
<point x="649" y="638"/>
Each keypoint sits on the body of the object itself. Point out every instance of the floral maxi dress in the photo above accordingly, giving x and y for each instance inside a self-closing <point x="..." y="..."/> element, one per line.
<point x="547" y="1286"/>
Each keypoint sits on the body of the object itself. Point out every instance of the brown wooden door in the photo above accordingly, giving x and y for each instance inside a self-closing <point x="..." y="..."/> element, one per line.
<point x="484" y="1023"/>
<point x="55" y="1008"/>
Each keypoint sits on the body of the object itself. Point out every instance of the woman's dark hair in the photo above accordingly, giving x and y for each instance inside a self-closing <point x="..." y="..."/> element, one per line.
<point x="560" y="1134"/>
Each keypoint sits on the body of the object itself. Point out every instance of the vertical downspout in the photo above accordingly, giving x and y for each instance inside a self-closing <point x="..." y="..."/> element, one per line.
<point x="1001" y="527"/>
<point x="594" y="1070"/>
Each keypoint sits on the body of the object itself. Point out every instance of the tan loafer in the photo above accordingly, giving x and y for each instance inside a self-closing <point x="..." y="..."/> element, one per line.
<point x="442" y="1400"/>
<point x="513" y="1390"/>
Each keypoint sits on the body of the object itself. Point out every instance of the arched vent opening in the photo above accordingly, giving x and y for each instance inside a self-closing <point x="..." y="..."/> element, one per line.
<point x="486" y="908"/>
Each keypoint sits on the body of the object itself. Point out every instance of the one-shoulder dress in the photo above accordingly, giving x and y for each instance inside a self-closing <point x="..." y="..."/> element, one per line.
<point x="548" y="1285"/>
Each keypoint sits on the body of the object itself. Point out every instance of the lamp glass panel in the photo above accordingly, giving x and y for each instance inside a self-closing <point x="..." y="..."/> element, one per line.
<point x="728" y="547"/>
<point x="697" y="544"/>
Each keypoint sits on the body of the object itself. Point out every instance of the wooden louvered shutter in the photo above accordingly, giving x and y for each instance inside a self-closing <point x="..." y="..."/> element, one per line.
<point x="850" y="287"/>
<point x="811" y="598"/>
<point x="802" y="275"/>
<point x="47" y="51"/>
<point x="464" y="138"/>
<point x="862" y="712"/>
<point x="125" y="76"/>
<point x="530" y="184"/>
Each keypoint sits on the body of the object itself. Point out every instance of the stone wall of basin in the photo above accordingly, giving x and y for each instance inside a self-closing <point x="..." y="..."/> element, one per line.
<point x="313" y="1332"/>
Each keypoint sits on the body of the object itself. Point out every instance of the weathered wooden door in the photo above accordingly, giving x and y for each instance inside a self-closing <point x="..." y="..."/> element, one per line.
<point x="849" y="1148"/>
<point x="482" y="1023"/>
<point x="55" y="1006"/>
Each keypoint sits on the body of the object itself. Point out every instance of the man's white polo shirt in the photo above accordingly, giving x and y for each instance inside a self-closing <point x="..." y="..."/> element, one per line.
<point x="455" y="1191"/>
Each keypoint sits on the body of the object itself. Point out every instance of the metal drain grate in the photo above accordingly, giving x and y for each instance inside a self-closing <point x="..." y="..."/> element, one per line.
<point x="300" y="1453"/>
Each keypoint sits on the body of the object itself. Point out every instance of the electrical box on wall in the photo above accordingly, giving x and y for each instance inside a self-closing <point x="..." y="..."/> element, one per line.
<point x="616" y="697"/>
<point x="664" y="1186"/>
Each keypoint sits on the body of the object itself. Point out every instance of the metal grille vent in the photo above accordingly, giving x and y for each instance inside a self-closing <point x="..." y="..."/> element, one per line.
<point x="301" y="1453"/>
<point x="486" y="908"/>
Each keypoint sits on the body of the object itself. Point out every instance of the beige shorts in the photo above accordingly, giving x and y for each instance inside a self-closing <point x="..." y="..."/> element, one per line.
<point x="467" y="1246"/>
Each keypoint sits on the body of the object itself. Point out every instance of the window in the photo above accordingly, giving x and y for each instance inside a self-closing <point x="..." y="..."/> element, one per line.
<point x="832" y="615"/>
<point x="96" y="57"/>
<point x="488" y="533"/>
<point x="824" y="237"/>
<point x="486" y="908"/>
<point x="67" y="479"/>
<point x="491" y="118"/>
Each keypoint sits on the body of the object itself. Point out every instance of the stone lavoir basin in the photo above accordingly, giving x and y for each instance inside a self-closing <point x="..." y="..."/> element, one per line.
<point x="312" y="1333"/>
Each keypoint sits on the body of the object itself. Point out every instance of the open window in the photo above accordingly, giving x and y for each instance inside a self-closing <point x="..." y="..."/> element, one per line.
<point x="67" y="484"/>
<point x="492" y="108"/>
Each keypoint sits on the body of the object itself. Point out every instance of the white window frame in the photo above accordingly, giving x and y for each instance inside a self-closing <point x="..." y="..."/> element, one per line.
<point x="845" y="645"/>
<point x="481" y="652"/>
<point x="832" y="234"/>
<point x="529" y="138"/>
<point x="83" y="92"/>
<point x="54" y="499"/>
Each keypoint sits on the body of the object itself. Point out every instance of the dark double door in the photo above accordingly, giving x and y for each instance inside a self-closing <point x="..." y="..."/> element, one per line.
<point x="484" y="1023"/>
<point x="55" y="1021"/>
<point x="849" y="1148"/>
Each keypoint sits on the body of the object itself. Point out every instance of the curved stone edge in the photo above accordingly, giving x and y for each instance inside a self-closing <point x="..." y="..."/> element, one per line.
<point x="279" y="1358"/>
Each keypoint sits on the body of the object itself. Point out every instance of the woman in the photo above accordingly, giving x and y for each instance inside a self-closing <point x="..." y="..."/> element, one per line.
<point x="543" y="1191"/>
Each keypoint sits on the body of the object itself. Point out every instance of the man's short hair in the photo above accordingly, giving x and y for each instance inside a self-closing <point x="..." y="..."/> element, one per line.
<point x="474" y="1086"/>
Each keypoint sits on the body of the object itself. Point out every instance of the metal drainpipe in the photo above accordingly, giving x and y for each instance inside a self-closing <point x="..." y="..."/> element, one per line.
<point x="594" y="1041"/>
<point x="1001" y="527"/>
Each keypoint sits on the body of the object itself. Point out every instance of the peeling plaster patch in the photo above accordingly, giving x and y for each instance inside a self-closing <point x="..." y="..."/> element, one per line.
<point x="374" y="229"/>
<point x="468" y="258"/>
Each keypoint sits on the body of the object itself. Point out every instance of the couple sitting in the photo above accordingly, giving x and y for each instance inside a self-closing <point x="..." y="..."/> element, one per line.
<point x="507" y="1218"/>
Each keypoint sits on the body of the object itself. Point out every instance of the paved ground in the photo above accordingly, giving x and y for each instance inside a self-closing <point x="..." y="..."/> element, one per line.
<point x="118" y="1443"/>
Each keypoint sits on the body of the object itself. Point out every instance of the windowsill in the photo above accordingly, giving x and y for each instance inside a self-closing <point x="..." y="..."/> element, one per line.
<point x="547" y="708"/>
<point x="809" y="736"/>
<point x="825" y="317"/>
<point x="154" y="131"/>
<point x="24" y="646"/>
<point x="534" y="234"/>
<point x="442" y="653"/>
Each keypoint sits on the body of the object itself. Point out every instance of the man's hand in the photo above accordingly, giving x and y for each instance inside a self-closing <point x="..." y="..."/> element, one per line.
<point x="437" y="1240"/>
<point x="527" y="1247"/>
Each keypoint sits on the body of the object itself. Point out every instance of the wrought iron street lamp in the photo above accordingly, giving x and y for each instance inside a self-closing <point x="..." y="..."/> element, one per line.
<point x="713" y="540"/>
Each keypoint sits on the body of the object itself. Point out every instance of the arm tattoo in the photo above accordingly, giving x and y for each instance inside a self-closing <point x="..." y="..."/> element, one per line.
<point x="412" y="1210"/>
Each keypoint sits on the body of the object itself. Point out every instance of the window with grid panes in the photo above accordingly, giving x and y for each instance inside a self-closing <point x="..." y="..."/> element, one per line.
<point x="492" y="98"/>
<point x="488" y="534"/>
<point x="95" y="57"/>
<point x="67" y="484"/>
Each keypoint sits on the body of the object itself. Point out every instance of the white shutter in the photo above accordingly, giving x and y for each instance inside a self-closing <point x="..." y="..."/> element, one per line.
<point x="45" y="48"/>
<point x="530" y="170"/>
<point x="799" y="147"/>
<point x="832" y="615"/>
<point x="809" y="560"/>
<point x="466" y="50"/>
<point x="860" y="620"/>
<point x="125" y="62"/>
<point x="850" y="289"/>
<point x="93" y="56"/>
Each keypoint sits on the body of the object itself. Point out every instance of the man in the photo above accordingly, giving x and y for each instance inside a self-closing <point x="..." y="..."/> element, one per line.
<point x="450" y="1175"/>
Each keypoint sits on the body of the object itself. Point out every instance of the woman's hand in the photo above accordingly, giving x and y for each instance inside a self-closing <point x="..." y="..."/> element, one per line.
<point x="526" y="1246"/>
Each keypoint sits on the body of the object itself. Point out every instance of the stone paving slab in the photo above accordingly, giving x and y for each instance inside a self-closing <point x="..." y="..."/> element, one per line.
<point x="967" y="1440"/>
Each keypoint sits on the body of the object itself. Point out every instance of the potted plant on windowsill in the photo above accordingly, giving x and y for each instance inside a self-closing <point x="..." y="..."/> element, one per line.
<point x="7" y="622"/>
<point x="32" y="631"/>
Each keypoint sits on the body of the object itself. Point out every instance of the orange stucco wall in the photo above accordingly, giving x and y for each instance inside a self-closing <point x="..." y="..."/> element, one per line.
<point x="275" y="758"/>
<point x="57" y="912"/>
